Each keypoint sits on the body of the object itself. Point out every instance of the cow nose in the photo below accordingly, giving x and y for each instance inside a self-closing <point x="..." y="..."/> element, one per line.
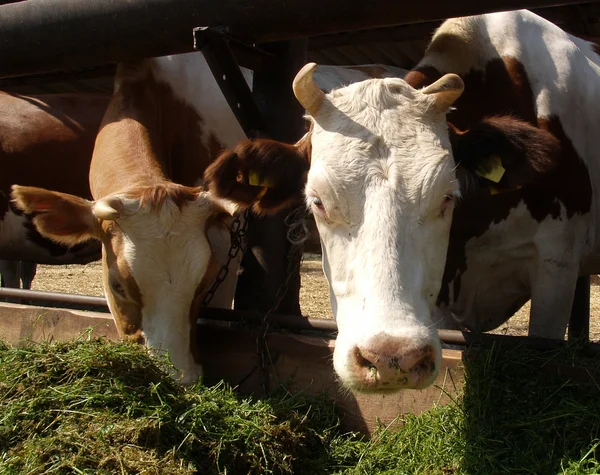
<point x="387" y="364"/>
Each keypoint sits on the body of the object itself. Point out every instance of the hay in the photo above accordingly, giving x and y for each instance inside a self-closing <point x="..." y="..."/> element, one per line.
<point x="97" y="407"/>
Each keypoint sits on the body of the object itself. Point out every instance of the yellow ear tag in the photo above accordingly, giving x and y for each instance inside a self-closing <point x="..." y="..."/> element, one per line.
<point x="254" y="180"/>
<point x="493" y="171"/>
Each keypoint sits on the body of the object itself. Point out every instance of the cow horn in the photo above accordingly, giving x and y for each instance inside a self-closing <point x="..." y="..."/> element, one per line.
<point x="446" y="90"/>
<point x="306" y="90"/>
<point x="108" y="209"/>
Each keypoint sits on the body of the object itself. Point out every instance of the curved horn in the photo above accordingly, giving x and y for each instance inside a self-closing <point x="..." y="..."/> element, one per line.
<point x="306" y="90"/>
<point x="108" y="208"/>
<point x="446" y="90"/>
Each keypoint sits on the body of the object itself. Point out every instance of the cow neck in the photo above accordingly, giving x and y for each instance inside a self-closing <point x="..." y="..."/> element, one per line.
<point x="148" y="136"/>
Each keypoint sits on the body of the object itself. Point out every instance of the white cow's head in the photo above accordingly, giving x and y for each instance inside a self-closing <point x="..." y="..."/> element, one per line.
<point x="156" y="257"/>
<point x="381" y="186"/>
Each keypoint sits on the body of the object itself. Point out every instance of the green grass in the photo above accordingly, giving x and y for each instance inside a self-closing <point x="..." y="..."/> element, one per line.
<point x="97" y="407"/>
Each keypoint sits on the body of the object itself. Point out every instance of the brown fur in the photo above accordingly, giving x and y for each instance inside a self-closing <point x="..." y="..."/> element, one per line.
<point x="61" y="217"/>
<point x="154" y="197"/>
<point x="285" y="166"/>
<point x="496" y="114"/>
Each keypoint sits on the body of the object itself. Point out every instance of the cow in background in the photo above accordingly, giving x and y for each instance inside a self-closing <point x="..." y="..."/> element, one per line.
<point x="45" y="140"/>
<point x="14" y="273"/>
<point x="449" y="197"/>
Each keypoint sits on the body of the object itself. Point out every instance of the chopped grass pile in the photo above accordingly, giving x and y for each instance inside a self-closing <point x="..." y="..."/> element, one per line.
<point x="97" y="407"/>
<point x="110" y="408"/>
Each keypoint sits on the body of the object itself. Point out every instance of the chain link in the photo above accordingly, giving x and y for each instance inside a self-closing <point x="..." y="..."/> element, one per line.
<point x="297" y="235"/>
<point x="237" y="234"/>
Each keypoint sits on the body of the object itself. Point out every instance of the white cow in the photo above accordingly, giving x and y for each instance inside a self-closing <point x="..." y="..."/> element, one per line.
<point x="391" y="159"/>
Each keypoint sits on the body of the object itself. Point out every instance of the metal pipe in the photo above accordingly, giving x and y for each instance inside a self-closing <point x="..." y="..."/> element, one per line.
<point x="299" y="323"/>
<point x="286" y="322"/>
<point x="49" y="35"/>
<point x="57" y="297"/>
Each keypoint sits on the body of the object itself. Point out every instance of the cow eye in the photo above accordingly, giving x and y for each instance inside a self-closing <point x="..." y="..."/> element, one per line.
<point x="448" y="201"/>
<point x="117" y="288"/>
<point x="317" y="203"/>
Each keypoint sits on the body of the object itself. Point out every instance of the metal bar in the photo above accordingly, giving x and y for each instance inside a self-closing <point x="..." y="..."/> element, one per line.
<point x="34" y="295"/>
<point x="285" y="322"/>
<point x="46" y="35"/>
<point x="579" y="323"/>
<point x="228" y="75"/>
<point x="266" y="262"/>
<point x="300" y="323"/>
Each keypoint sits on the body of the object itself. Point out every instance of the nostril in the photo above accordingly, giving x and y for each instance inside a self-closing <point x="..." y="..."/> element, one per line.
<point x="365" y="363"/>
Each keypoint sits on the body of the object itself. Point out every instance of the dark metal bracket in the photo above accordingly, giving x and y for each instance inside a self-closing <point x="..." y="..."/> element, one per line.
<point x="214" y="44"/>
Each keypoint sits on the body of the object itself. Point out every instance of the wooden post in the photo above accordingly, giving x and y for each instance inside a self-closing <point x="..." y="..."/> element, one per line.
<point x="579" y="324"/>
<point x="265" y="264"/>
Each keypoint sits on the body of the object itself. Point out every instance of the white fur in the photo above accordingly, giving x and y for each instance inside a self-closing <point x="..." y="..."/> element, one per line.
<point x="381" y="165"/>
<point x="192" y="80"/>
<point x="168" y="261"/>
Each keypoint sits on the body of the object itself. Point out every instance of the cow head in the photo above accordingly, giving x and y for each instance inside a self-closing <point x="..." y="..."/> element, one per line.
<point x="156" y="256"/>
<point x="382" y="186"/>
<point x="382" y="189"/>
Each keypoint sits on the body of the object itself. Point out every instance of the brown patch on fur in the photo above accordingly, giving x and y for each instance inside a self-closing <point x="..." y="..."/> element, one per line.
<point x="154" y="197"/>
<point x="47" y="141"/>
<point x="127" y="307"/>
<point x="283" y="165"/>
<point x="421" y="77"/>
<point x="537" y="155"/>
<point x="148" y="136"/>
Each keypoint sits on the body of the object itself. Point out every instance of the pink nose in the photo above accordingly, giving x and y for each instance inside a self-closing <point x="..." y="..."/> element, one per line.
<point x="387" y="363"/>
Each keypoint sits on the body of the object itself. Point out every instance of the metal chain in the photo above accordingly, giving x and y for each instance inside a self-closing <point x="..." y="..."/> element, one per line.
<point x="296" y="223"/>
<point x="237" y="233"/>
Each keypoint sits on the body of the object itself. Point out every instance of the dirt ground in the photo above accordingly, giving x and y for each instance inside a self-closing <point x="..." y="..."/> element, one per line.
<point x="314" y="294"/>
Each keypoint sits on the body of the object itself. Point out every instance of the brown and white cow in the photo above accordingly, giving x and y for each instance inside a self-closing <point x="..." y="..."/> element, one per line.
<point x="498" y="120"/>
<point x="162" y="234"/>
<point x="45" y="141"/>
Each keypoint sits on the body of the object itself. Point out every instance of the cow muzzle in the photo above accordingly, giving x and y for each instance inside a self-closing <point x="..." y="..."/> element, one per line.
<point x="386" y="363"/>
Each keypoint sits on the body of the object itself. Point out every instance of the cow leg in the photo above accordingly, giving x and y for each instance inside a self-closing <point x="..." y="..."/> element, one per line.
<point x="28" y="271"/>
<point x="552" y="295"/>
<point x="11" y="273"/>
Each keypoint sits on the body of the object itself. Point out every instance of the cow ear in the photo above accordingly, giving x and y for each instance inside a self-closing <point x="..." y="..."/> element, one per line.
<point x="64" y="218"/>
<point x="262" y="174"/>
<point x="506" y="152"/>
